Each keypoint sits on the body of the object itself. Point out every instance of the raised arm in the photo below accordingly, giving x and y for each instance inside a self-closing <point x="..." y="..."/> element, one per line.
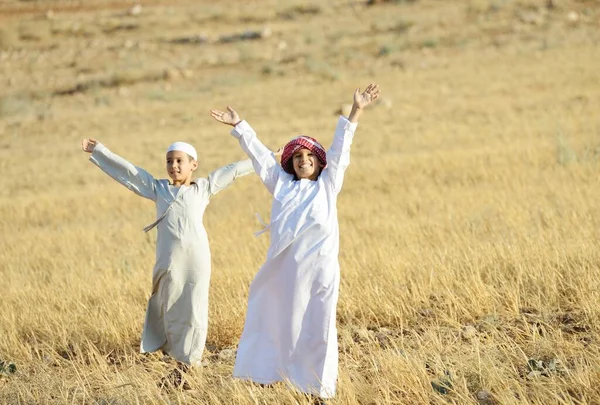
<point x="338" y="156"/>
<point x="224" y="176"/>
<point x="264" y="160"/>
<point x="134" y="178"/>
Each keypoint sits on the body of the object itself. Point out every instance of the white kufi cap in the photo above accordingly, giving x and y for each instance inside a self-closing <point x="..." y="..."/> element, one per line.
<point x="183" y="147"/>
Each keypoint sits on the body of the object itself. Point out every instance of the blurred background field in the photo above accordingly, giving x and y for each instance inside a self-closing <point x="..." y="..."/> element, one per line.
<point x="469" y="216"/>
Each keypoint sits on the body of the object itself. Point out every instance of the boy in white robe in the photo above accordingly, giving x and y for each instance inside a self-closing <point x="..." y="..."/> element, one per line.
<point x="177" y="313"/>
<point x="290" y="332"/>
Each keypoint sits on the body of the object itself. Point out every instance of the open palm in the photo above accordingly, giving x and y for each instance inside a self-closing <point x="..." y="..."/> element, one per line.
<point x="365" y="98"/>
<point x="229" y="117"/>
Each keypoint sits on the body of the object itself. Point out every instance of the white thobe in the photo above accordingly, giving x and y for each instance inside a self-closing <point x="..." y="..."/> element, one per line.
<point x="290" y="329"/>
<point x="177" y="313"/>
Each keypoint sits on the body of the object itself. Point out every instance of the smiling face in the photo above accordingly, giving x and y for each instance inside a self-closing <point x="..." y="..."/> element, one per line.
<point x="180" y="167"/>
<point x="306" y="164"/>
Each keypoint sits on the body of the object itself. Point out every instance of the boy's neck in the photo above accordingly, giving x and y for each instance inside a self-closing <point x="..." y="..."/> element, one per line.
<point x="187" y="182"/>
<point x="296" y="178"/>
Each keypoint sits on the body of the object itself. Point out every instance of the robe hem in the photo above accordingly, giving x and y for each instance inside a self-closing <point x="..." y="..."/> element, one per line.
<point x="293" y="384"/>
<point x="152" y="350"/>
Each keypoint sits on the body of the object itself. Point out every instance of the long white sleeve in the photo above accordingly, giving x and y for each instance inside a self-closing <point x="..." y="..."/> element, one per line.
<point x="338" y="155"/>
<point x="134" y="178"/>
<point x="263" y="160"/>
<point x="224" y="176"/>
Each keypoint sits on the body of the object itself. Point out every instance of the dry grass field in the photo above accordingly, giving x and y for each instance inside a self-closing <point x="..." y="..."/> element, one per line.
<point x="470" y="219"/>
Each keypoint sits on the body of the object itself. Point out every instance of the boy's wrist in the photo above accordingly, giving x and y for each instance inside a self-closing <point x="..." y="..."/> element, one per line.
<point x="356" y="110"/>
<point x="354" y="114"/>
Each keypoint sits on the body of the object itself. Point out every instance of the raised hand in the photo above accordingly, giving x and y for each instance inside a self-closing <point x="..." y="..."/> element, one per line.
<point x="229" y="117"/>
<point x="88" y="145"/>
<point x="361" y="100"/>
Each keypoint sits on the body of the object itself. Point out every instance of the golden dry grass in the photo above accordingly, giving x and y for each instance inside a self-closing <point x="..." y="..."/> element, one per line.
<point x="469" y="216"/>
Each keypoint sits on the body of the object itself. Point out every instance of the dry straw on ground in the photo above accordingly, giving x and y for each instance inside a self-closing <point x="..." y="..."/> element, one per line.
<point x="469" y="215"/>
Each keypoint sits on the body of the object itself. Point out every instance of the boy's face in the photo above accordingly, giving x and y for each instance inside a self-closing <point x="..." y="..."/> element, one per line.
<point x="180" y="166"/>
<point x="306" y="164"/>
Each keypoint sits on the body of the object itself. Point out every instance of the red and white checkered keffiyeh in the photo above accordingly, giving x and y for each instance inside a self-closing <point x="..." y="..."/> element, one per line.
<point x="298" y="143"/>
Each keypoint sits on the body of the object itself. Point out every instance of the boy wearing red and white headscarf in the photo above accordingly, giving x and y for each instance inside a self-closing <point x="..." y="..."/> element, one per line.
<point x="177" y="313"/>
<point x="304" y="157"/>
<point x="290" y="332"/>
